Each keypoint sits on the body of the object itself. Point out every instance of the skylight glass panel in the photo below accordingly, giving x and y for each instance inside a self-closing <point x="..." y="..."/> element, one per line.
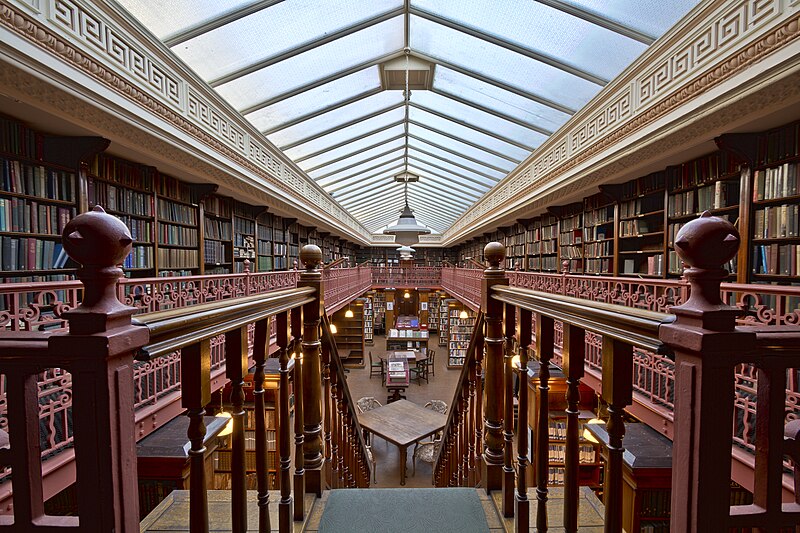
<point x="336" y="117"/>
<point x="441" y="154"/>
<point x="348" y="186"/>
<point x="362" y="128"/>
<point x="271" y="82"/>
<point x="482" y="57"/>
<point x="423" y="168"/>
<point x="433" y="138"/>
<point x="492" y="97"/>
<point x="167" y="17"/>
<point x="478" y="119"/>
<point x="274" y="31"/>
<point x="315" y="99"/>
<point x="652" y="17"/>
<point x="468" y="134"/>
<point x="382" y="138"/>
<point x="575" y="42"/>
<point x="448" y="167"/>
<point x="357" y="156"/>
<point x="363" y="167"/>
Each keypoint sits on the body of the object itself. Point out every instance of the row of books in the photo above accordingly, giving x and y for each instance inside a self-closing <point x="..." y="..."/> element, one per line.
<point x="123" y="172"/>
<point x="574" y="236"/>
<point x="177" y="235"/>
<point x="17" y="139"/>
<point x="217" y="229"/>
<point x="178" y="258"/>
<point x="217" y="206"/>
<point x="243" y="226"/>
<point x="776" y="259"/>
<point x="641" y="186"/>
<point x="715" y="196"/>
<point x="113" y="198"/>
<point x="701" y="170"/>
<point x="598" y="233"/>
<point x="676" y="264"/>
<point x="21" y="215"/>
<point x="776" y="182"/>
<point x="558" y="453"/>
<point x="215" y="252"/>
<point x="654" y="503"/>
<point x="779" y="144"/>
<point x="184" y="214"/>
<point x="141" y="229"/>
<point x="543" y="263"/>
<point x="571" y="252"/>
<point x="571" y="223"/>
<point x="264" y="248"/>
<point x="599" y="216"/>
<point x="652" y="265"/>
<point x="641" y="206"/>
<point x="599" y="266"/>
<point x="36" y="180"/>
<point x="639" y="226"/>
<point x="542" y="232"/>
<point x="542" y="247"/>
<point x="598" y="249"/>
<point x="140" y="257"/>
<point x="776" y="222"/>
<point x="29" y="253"/>
<point x="175" y="189"/>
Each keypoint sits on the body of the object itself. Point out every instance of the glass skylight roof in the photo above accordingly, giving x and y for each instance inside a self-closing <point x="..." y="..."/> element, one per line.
<point x="324" y="80"/>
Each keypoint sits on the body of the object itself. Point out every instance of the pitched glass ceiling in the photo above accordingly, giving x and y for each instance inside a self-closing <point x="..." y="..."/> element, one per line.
<point x="489" y="81"/>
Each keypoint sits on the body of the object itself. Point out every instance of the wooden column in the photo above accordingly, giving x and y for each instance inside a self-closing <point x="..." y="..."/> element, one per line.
<point x="235" y="370"/>
<point x="574" y="345"/>
<point x="703" y="336"/>
<point x="311" y="257"/>
<point x="260" y="348"/>
<point x="101" y="343"/>
<point x="522" y="507"/>
<point x="423" y="298"/>
<point x="494" y="252"/>
<point x="299" y="465"/>
<point x="284" y="430"/>
<point x="508" y="413"/>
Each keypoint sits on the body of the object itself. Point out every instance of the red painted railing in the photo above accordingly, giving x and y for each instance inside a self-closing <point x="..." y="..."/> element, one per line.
<point x="407" y="277"/>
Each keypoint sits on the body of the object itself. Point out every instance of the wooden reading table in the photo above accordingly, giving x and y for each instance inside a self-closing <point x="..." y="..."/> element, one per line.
<point x="402" y="423"/>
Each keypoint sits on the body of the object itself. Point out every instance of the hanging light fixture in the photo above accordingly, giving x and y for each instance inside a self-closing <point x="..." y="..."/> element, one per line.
<point x="405" y="252"/>
<point x="333" y="329"/>
<point x="406" y="230"/>
<point x="349" y="312"/>
<point x="406" y="295"/>
<point x="463" y="314"/>
<point x="596" y="420"/>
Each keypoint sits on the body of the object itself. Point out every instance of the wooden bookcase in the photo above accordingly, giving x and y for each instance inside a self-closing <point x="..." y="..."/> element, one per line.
<point x="590" y="469"/>
<point x="433" y="311"/>
<point x="244" y="236"/>
<point x="444" y="318"/>
<point x="599" y="221"/>
<point x="379" y="311"/>
<point x="350" y="333"/>
<point x="177" y="219"/>
<point x="640" y="244"/>
<point x="570" y="236"/>
<point x="460" y="332"/>
<point x="217" y="236"/>
<point x="369" y="319"/>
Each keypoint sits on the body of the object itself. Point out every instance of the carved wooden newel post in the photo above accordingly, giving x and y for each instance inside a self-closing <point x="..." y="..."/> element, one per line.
<point x="494" y="252"/>
<point x="313" y="459"/>
<point x="101" y="343"/>
<point x="703" y="337"/>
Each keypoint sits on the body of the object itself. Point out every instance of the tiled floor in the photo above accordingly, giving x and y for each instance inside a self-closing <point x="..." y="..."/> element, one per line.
<point x="441" y="386"/>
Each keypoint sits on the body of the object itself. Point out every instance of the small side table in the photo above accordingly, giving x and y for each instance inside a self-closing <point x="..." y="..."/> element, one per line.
<point x="397" y="377"/>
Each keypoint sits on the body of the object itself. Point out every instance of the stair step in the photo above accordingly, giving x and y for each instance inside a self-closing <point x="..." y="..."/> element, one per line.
<point x="591" y="511"/>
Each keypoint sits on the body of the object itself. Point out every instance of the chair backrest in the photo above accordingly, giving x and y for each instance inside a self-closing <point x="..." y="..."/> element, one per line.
<point x="437" y="405"/>
<point x="367" y="403"/>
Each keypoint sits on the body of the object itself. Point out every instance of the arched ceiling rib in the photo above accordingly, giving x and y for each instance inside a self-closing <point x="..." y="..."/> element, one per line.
<point x="325" y="81"/>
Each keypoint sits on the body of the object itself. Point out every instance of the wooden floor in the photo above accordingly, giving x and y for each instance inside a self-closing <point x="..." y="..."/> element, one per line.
<point x="442" y="386"/>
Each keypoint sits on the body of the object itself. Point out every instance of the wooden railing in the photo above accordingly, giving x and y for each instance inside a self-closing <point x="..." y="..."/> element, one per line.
<point x="98" y="349"/>
<point x="702" y="336"/>
<point x="456" y="464"/>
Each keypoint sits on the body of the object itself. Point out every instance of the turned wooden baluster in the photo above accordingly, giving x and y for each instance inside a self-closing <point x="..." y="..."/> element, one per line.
<point x="573" y="359"/>
<point x="471" y="425"/>
<point x="195" y="394"/>
<point x="284" y="431"/>
<point x="299" y="469"/>
<point x="311" y="256"/>
<point x="617" y="392"/>
<point x="545" y="336"/>
<point x="522" y="514"/>
<point x="235" y="370"/>
<point x="334" y="430"/>
<point x="508" y="415"/>
<point x="327" y="405"/>
<point x="478" y="411"/>
<point x="468" y="428"/>
<point x="493" y="455"/>
<point x="260" y="347"/>
<point x="341" y="434"/>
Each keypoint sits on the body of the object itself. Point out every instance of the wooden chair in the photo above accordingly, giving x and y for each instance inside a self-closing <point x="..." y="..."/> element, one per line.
<point x="375" y="368"/>
<point x="420" y="371"/>
<point x="430" y="362"/>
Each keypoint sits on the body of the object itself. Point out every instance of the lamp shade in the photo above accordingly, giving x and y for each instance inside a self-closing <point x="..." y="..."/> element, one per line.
<point x="406" y="230"/>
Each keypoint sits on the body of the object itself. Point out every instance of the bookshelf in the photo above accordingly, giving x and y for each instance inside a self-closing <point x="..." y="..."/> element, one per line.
<point x="244" y="236"/>
<point x="369" y="319"/>
<point x="570" y="236"/>
<point x="264" y="236"/>
<point x="433" y="311"/>
<point x="459" y="335"/>
<point x="641" y="244"/>
<point x="217" y="255"/>
<point x="350" y="333"/>
<point x="599" y="221"/>
<point x="444" y="318"/>
<point x="543" y="246"/>
<point x="774" y="231"/>
<point x="590" y="466"/>
<point x="709" y="183"/>
<point x="178" y="252"/>
<point x="379" y="311"/>
<point x="127" y="190"/>
<point x="515" y="247"/>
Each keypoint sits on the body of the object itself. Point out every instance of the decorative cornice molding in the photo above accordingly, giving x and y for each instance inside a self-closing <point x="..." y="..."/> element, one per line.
<point x="82" y="36"/>
<point x="685" y="69"/>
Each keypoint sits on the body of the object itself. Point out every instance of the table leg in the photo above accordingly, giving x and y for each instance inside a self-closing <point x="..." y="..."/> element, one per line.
<point x="402" y="465"/>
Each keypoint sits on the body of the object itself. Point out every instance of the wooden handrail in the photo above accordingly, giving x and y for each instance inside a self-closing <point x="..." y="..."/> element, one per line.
<point x="175" y="329"/>
<point x="637" y="327"/>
